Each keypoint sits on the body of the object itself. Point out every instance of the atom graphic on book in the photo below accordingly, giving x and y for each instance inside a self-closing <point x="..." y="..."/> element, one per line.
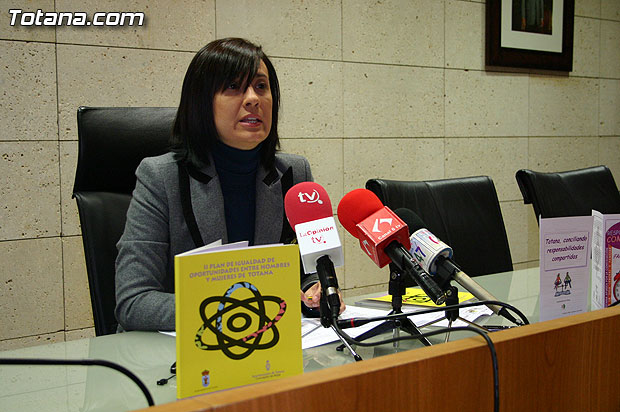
<point x="246" y="317"/>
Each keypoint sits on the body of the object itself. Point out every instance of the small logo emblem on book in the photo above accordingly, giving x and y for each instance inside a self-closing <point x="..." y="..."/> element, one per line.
<point x="206" y="380"/>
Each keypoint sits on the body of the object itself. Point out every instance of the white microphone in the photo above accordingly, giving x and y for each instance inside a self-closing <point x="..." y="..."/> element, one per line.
<point x="309" y="211"/>
<point x="436" y="257"/>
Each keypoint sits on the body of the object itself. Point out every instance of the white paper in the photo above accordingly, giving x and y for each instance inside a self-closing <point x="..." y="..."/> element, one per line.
<point x="471" y="314"/>
<point x="315" y="336"/>
<point x="215" y="246"/>
<point x="565" y="244"/>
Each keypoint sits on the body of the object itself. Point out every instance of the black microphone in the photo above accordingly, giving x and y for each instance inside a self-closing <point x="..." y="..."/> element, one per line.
<point x="352" y="322"/>
<point x="407" y="264"/>
<point x="329" y="284"/>
<point x="436" y="257"/>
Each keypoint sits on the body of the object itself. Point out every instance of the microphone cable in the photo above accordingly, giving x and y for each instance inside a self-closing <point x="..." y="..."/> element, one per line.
<point x="361" y="321"/>
<point x="173" y="371"/>
<point x="82" y="362"/>
<point x="484" y="335"/>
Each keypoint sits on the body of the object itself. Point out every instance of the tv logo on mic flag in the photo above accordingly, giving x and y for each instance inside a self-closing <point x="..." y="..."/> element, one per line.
<point x="426" y="248"/>
<point x="317" y="238"/>
<point x="377" y="229"/>
<point x="314" y="197"/>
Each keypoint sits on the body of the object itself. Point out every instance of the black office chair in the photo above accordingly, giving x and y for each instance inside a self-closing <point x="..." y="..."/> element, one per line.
<point x="112" y="142"/>
<point x="569" y="193"/>
<point x="463" y="212"/>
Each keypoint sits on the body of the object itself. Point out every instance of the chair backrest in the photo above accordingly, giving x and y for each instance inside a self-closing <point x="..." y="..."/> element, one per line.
<point x="463" y="212"/>
<point x="569" y="193"/>
<point x="112" y="142"/>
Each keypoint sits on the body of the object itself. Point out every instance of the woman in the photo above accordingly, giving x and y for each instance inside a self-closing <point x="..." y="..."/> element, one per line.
<point x="223" y="180"/>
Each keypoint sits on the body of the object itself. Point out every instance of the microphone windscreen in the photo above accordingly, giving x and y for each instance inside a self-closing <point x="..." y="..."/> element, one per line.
<point x="411" y="219"/>
<point x="356" y="206"/>
<point x="305" y="202"/>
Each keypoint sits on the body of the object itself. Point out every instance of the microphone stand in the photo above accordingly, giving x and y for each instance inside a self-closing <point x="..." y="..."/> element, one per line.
<point x="452" y="298"/>
<point x="327" y="322"/>
<point x="396" y="288"/>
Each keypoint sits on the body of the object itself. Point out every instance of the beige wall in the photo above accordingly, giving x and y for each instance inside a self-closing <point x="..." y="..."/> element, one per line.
<point x="394" y="89"/>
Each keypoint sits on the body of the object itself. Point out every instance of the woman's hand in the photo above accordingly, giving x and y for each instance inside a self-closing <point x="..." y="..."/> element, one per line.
<point x="312" y="297"/>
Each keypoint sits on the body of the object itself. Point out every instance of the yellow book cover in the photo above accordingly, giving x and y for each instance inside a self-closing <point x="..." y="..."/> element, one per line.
<point x="416" y="296"/>
<point x="238" y="317"/>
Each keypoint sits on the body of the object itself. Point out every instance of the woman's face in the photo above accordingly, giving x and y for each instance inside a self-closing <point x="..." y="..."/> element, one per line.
<point x="243" y="115"/>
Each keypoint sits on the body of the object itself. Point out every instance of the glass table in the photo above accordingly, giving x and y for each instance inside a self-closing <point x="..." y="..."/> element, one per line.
<point x="149" y="355"/>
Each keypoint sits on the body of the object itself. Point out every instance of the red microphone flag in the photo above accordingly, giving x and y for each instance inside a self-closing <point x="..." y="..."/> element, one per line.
<point x="363" y="215"/>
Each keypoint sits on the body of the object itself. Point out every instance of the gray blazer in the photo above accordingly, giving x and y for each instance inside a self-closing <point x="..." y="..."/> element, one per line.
<point x="156" y="231"/>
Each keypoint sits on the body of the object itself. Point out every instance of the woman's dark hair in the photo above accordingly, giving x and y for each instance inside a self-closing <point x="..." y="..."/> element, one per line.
<point x="212" y="69"/>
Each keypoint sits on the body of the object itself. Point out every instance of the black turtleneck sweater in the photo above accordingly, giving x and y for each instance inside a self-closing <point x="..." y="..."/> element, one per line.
<point x="237" y="172"/>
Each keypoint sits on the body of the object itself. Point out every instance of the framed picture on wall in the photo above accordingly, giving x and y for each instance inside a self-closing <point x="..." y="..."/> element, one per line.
<point x="536" y="34"/>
